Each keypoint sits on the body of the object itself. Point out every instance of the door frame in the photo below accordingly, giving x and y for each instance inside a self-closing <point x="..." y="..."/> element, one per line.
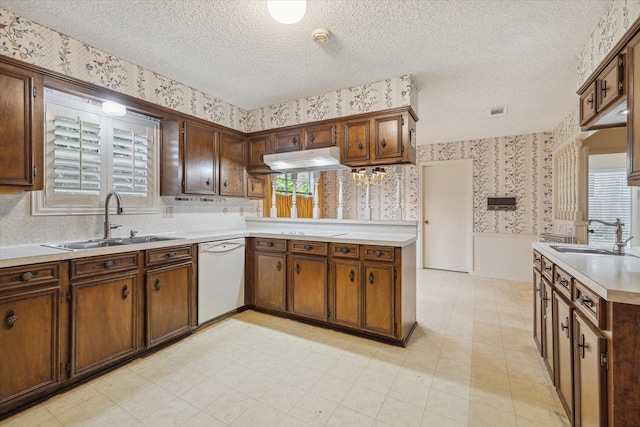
<point x="469" y="164"/>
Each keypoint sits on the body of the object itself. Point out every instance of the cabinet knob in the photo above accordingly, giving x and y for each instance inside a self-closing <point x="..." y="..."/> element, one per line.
<point x="371" y="278"/>
<point x="279" y="266"/>
<point x="383" y="143"/>
<point x="360" y="145"/>
<point x="253" y="187"/>
<point x="261" y="157"/>
<point x="125" y="292"/>
<point x="269" y="244"/>
<point x="28" y="275"/>
<point x="297" y="268"/>
<point x="352" y="276"/>
<point x="208" y="181"/>
<point x="377" y="253"/>
<point x="11" y="319"/>
<point x="590" y="101"/>
<point x="312" y="138"/>
<point x="107" y="264"/>
<point x="226" y="183"/>
<point x="603" y="89"/>
<point x="170" y="255"/>
<point x="158" y="285"/>
<point x="294" y="140"/>
<point x="344" y="250"/>
<point x="308" y="247"/>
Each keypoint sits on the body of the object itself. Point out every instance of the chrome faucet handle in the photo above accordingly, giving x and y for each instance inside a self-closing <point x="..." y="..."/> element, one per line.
<point x="627" y="241"/>
<point x="133" y="233"/>
<point x="114" y="226"/>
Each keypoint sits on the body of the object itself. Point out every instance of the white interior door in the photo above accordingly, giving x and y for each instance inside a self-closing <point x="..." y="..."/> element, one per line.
<point x="447" y="215"/>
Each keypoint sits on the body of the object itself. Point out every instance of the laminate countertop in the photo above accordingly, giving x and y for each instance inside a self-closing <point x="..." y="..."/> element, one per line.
<point x="615" y="278"/>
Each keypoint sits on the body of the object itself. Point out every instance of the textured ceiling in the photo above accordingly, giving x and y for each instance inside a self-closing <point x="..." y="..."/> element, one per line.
<point x="465" y="56"/>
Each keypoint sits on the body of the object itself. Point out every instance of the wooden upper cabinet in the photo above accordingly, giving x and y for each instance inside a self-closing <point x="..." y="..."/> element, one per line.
<point x="258" y="146"/>
<point x="320" y="136"/>
<point x="21" y="129"/>
<point x="288" y="140"/>
<point x="610" y="87"/>
<point x="633" y="118"/>
<point x="232" y="168"/>
<point x="200" y="159"/>
<point x="255" y="187"/>
<point x="356" y="141"/>
<point x="388" y="137"/>
<point x="588" y="104"/>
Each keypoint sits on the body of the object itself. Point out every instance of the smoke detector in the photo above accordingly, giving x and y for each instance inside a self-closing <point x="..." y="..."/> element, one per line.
<point x="500" y="110"/>
<point x="321" y="35"/>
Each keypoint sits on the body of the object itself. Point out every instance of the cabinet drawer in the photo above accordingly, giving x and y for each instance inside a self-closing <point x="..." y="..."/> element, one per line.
<point x="590" y="304"/>
<point x="537" y="260"/>
<point x="93" y="266"/>
<point x="274" y="245"/>
<point x="288" y="141"/>
<point x="163" y="255"/>
<point x="319" y="136"/>
<point x="345" y="250"/>
<point x="379" y="253"/>
<point x="547" y="269"/>
<point x="29" y="274"/>
<point x="563" y="282"/>
<point x="312" y="248"/>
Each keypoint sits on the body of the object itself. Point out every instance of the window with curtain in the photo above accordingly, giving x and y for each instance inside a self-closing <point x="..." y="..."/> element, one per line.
<point x="304" y="195"/>
<point x="89" y="153"/>
<point x="303" y="183"/>
<point x="609" y="197"/>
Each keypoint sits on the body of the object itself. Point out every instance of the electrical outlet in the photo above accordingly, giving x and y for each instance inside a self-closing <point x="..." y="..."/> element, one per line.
<point x="168" y="212"/>
<point x="241" y="211"/>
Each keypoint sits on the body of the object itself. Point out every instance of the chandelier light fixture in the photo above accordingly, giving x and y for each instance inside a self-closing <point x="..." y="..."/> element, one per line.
<point x="364" y="176"/>
<point x="287" y="11"/>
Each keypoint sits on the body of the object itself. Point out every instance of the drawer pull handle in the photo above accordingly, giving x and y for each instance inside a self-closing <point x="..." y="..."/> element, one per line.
<point x="28" y="275"/>
<point x="226" y="183"/>
<point x="603" y="89"/>
<point x="312" y="138"/>
<point x="158" y="285"/>
<point x="279" y="266"/>
<point x="253" y="187"/>
<point x="586" y="301"/>
<point x="11" y="319"/>
<point x="208" y="181"/>
<point x="383" y="143"/>
<point x="125" y="292"/>
<point x="547" y="268"/>
<point x="107" y="264"/>
<point x="344" y="250"/>
<point x="170" y="255"/>
<point x="564" y="327"/>
<point x="308" y="247"/>
<point x="360" y="146"/>
<point x="352" y="276"/>
<point x="537" y="259"/>
<point x="371" y="278"/>
<point x="537" y="290"/>
<point x="294" y="140"/>
<point x="590" y="101"/>
<point x="377" y="253"/>
<point x="564" y="282"/>
<point x="261" y="157"/>
<point x="297" y="268"/>
<point x="269" y="244"/>
<point x="581" y="345"/>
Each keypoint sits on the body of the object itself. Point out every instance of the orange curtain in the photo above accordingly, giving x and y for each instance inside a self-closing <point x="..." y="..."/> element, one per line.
<point x="284" y="202"/>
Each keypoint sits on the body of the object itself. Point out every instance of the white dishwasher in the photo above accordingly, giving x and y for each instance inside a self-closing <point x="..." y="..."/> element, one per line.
<point x="220" y="278"/>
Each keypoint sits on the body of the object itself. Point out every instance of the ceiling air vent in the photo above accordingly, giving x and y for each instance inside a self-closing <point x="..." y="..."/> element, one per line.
<point x="497" y="111"/>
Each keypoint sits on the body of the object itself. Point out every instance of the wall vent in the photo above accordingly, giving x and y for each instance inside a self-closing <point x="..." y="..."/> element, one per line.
<point x="500" y="110"/>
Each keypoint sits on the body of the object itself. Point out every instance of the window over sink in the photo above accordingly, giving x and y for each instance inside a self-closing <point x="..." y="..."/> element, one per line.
<point x="89" y="153"/>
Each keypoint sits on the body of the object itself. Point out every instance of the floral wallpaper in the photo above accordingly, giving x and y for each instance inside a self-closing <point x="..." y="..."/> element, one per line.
<point x="517" y="166"/>
<point x="617" y="20"/>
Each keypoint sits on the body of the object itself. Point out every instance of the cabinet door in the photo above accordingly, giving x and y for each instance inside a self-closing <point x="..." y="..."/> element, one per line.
<point x="270" y="281"/>
<point x="200" y="152"/>
<point x="319" y="136"/>
<point x="378" y="299"/>
<point x="610" y="85"/>
<point x="633" y="118"/>
<point x="537" y="311"/>
<point x="168" y="297"/>
<point x="547" y="315"/>
<point x="388" y="137"/>
<point x="345" y="293"/>
<point x="232" y="171"/>
<point x="588" y="104"/>
<point x="103" y="322"/>
<point x="255" y="187"/>
<point x="308" y="290"/>
<point x="258" y="146"/>
<point x="356" y="141"/>
<point x="29" y="348"/>
<point x="21" y="132"/>
<point x="590" y="348"/>
<point x="289" y="140"/>
<point x="564" y="350"/>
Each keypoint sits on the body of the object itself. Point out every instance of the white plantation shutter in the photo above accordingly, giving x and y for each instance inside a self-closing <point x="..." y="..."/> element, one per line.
<point x="609" y="199"/>
<point x="88" y="154"/>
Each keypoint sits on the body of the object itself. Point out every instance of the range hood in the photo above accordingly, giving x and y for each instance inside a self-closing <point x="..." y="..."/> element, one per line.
<point x="318" y="159"/>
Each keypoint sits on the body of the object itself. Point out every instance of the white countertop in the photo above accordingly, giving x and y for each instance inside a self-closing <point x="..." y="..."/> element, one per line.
<point x="11" y="256"/>
<point x="614" y="278"/>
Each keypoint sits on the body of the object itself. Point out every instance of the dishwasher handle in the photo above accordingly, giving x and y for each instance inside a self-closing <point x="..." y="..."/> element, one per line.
<point x="221" y="247"/>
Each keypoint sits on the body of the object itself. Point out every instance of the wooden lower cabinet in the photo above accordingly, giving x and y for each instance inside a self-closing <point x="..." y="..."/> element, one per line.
<point x="563" y="339"/>
<point x="168" y="293"/>
<point x="538" y="302"/>
<point x="29" y="349"/>
<point x="590" y="372"/>
<point x="270" y="280"/>
<point x="345" y="293"/>
<point x="547" y="315"/>
<point x="378" y="299"/>
<point x="308" y="287"/>
<point x="104" y="316"/>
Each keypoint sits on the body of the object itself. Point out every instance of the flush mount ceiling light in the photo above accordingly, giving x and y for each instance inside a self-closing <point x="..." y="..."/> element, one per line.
<point x="287" y="11"/>
<point x="113" y="108"/>
<point x="321" y="35"/>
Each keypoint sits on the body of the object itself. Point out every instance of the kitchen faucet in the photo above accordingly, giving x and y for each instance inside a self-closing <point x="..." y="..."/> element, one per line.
<point x="619" y="244"/>
<point x="119" y="211"/>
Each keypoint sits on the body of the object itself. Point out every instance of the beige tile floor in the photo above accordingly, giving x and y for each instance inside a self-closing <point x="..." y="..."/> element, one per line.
<point x="471" y="362"/>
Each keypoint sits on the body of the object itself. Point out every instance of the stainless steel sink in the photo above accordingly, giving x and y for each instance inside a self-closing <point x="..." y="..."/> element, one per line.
<point x="105" y="243"/>
<point x="583" y="250"/>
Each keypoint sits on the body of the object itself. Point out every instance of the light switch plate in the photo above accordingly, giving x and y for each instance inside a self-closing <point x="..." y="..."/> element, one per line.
<point x="168" y="212"/>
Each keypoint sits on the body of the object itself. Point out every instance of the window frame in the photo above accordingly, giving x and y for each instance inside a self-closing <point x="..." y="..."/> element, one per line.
<point x="287" y="179"/>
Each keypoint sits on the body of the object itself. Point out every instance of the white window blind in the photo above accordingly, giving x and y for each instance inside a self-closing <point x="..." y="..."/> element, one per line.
<point x="609" y="199"/>
<point x="89" y="153"/>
